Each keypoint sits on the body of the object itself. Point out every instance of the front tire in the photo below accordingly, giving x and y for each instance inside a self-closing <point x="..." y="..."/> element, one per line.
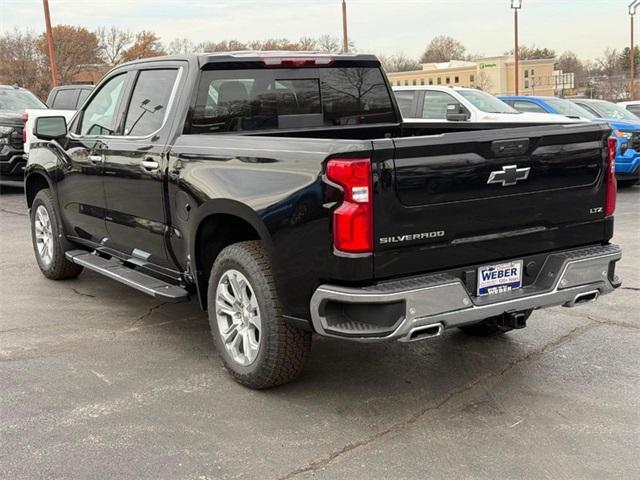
<point x="258" y="347"/>
<point x="46" y="235"/>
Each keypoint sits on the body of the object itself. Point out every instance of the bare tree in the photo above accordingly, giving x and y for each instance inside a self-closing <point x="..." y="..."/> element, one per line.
<point x="399" y="62"/>
<point x="112" y="42"/>
<point x="328" y="43"/>
<point x="223" y="46"/>
<point x="179" y="46"/>
<point x="483" y="82"/>
<point x="22" y="63"/>
<point x="308" y="44"/>
<point x="443" y="49"/>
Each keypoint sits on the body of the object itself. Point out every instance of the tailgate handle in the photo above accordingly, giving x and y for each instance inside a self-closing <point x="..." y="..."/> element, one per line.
<point x="510" y="148"/>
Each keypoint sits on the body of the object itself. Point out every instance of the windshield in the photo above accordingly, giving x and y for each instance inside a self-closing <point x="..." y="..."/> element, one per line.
<point x="485" y="102"/>
<point x="611" y="110"/>
<point x="17" y="101"/>
<point x="565" y="107"/>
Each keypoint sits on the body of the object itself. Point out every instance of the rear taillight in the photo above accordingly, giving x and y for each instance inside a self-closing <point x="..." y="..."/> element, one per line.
<point x="610" y="179"/>
<point x="25" y="117"/>
<point x="353" y="218"/>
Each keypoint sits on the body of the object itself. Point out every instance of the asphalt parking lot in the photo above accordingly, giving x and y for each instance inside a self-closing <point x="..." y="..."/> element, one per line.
<point x="100" y="381"/>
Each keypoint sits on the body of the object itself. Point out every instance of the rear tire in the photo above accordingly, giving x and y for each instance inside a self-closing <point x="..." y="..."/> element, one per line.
<point x="258" y="347"/>
<point x="46" y="235"/>
<point x="489" y="327"/>
<point x="627" y="183"/>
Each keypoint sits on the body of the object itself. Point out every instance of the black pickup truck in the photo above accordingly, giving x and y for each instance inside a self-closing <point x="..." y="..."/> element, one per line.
<point x="284" y="191"/>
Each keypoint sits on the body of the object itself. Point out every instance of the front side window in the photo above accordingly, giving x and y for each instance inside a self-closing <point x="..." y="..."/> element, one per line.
<point x="565" y="107"/>
<point x="435" y="105"/>
<point x="99" y="116"/>
<point x="588" y="108"/>
<point x="611" y="110"/>
<point x="149" y="101"/>
<point x="485" y="102"/>
<point x="259" y="99"/>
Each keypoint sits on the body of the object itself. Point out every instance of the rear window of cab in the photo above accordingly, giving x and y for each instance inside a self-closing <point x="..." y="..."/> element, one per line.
<point x="262" y="99"/>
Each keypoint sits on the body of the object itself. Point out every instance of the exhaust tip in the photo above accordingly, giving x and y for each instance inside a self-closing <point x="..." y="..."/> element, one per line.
<point x="582" y="298"/>
<point x="424" y="332"/>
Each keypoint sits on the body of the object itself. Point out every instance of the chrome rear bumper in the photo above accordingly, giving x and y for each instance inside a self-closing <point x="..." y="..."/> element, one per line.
<point x="437" y="302"/>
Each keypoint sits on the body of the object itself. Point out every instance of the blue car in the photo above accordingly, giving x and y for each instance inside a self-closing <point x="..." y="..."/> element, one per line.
<point x="625" y="126"/>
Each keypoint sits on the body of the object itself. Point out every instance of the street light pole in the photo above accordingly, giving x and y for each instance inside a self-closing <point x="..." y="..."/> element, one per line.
<point x="345" y="36"/>
<point x="50" y="46"/>
<point x="632" y="51"/>
<point x="517" y="5"/>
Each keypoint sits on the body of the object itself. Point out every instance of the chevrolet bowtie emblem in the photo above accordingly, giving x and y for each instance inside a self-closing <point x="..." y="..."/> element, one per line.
<point x="509" y="175"/>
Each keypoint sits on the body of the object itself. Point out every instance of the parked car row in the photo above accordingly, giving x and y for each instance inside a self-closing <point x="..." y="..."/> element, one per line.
<point x="19" y="109"/>
<point x="455" y="104"/>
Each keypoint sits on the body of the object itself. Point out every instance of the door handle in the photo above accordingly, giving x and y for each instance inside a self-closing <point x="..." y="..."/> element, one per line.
<point x="150" y="165"/>
<point x="95" y="158"/>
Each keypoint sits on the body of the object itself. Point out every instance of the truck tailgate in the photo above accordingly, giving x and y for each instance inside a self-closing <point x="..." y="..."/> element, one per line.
<point x="470" y="197"/>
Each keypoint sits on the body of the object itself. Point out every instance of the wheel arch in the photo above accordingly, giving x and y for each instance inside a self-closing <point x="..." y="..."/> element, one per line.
<point x="35" y="181"/>
<point x="220" y="223"/>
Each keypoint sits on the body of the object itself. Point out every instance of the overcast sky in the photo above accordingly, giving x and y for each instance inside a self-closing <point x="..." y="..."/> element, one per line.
<point x="379" y="26"/>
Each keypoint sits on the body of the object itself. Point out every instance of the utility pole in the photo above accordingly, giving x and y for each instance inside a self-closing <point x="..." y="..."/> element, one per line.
<point x="50" y="46"/>
<point x="632" y="51"/>
<point x="517" y="5"/>
<point x="345" y="36"/>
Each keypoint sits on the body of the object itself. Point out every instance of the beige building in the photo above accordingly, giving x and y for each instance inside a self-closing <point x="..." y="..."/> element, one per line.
<point x="492" y="74"/>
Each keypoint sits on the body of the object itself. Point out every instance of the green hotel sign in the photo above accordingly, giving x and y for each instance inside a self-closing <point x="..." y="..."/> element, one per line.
<point x="487" y="65"/>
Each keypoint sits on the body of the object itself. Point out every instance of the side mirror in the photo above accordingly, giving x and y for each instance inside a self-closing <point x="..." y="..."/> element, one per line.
<point x="50" y="128"/>
<point x="455" y="113"/>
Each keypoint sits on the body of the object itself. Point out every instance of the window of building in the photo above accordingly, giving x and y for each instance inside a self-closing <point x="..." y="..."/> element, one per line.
<point x="439" y="81"/>
<point x="526" y="84"/>
<point x="448" y="80"/>
<point x="472" y="78"/>
<point x="526" y="74"/>
<point x="431" y="81"/>
<point x="456" y="80"/>
<point x="414" y="82"/>
<point x="532" y="72"/>
<point x="422" y="81"/>
<point x="406" y="83"/>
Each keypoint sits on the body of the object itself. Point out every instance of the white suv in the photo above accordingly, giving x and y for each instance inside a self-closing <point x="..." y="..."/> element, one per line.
<point x="456" y="104"/>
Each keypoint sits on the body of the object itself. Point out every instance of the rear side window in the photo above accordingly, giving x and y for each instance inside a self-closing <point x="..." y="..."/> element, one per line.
<point x="405" y="103"/>
<point x="524" y="106"/>
<point x="149" y="101"/>
<point x="258" y="99"/>
<point x="65" y="99"/>
<point x="84" y="93"/>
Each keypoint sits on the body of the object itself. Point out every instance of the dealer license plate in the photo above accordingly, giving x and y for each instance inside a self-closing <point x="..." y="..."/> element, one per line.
<point x="499" y="278"/>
